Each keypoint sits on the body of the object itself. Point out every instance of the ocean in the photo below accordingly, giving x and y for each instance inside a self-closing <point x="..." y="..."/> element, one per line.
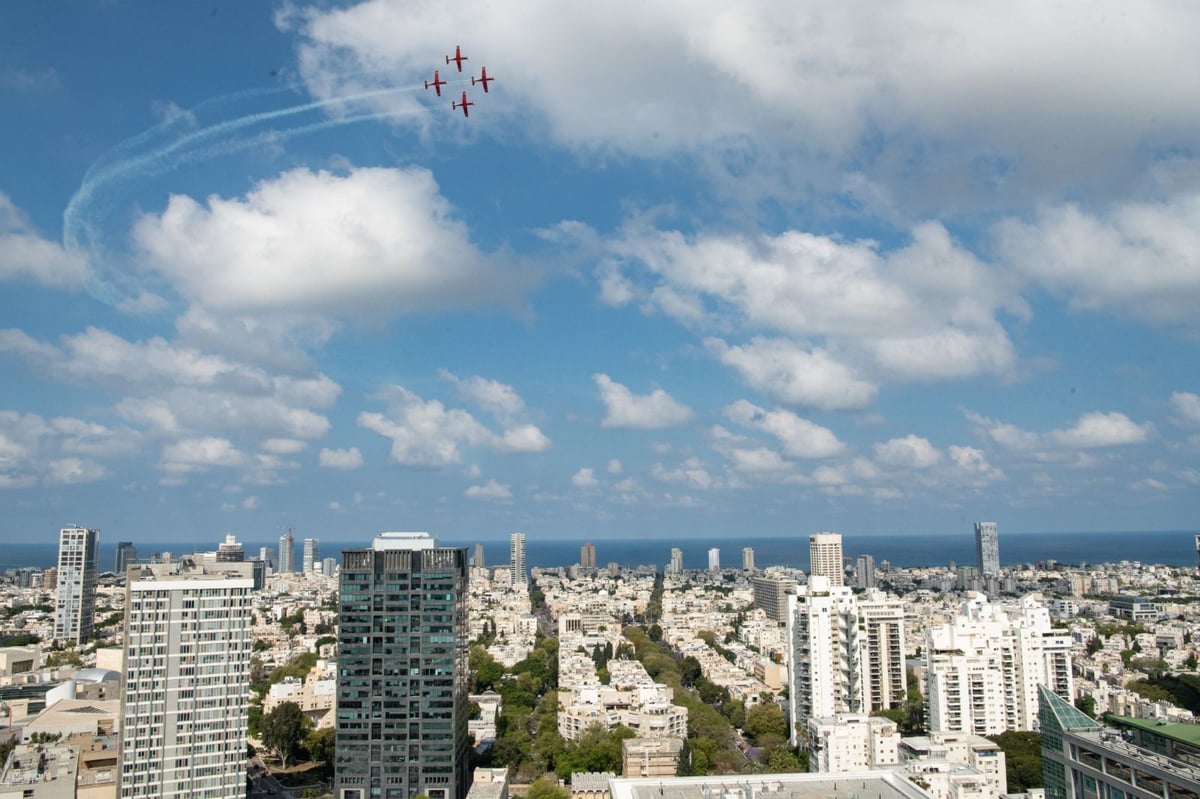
<point x="1171" y="548"/>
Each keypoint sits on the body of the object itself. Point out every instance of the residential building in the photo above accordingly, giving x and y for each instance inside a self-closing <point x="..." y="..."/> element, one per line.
<point x="126" y="554"/>
<point x="518" y="572"/>
<point x="312" y="555"/>
<point x="186" y="696"/>
<point x="851" y="742"/>
<point x="881" y="634"/>
<point x="987" y="548"/>
<point x="676" y="566"/>
<point x="587" y="555"/>
<point x="75" y="610"/>
<point x="864" y="572"/>
<point x="478" y="561"/>
<point x="823" y="632"/>
<point x="748" y="559"/>
<point x="983" y="668"/>
<point x="770" y="593"/>
<point x="287" y="553"/>
<point x="825" y="557"/>
<point x="402" y="703"/>
<point x="714" y="559"/>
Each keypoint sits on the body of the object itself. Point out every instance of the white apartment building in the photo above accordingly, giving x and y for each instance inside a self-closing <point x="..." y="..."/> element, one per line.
<point x="714" y="559"/>
<point x="676" y="566"/>
<point x="187" y="674"/>
<point x="825" y="557"/>
<point x="748" y="559"/>
<point x="75" y="609"/>
<point x="516" y="560"/>
<point x="311" y="555"/>
<point x="984" y="667"/>
<point x="851" y="742"/>
<point x="847" y="652"/>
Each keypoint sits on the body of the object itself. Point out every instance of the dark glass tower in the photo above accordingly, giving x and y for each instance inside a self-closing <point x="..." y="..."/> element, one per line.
<point x="402" y="671"/>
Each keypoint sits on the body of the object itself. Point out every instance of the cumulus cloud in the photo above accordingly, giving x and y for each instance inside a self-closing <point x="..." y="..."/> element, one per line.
<point x="584" y="478"/>
<point x="1186" y="408"/>
<point x="497" y="398"/>
<point x="199" y="454"/>
<point x="1139" y="259"/>
<point x="972" y="467"/>
<point x="647" y="411"/>
<point x="344" y="459"/>
<point x="794" y="374"/>
<point x="909" y="452"/>
<point x="614" y="466"/>
<point x="800" y="437"/>
<point x="746" y="455"/>
<point x="691" y="472"/>
<point x="1102" y="430"/>
<point x="26" y="254"/>
<point x="58" y="451"/>
<point x="427" y="433"/>
<point x="489" y="490"/>
<point x="374" y="240"/>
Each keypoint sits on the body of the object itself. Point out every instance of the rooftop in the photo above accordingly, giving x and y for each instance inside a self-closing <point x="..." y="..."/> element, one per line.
<point x="866" y="784"/>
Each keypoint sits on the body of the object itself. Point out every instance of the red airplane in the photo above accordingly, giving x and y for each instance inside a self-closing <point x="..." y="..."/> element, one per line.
<point x="437" y="84"/>
<point x="463" y="105"/>
<point x="458" y="57"/>
<point x="483" y="78"/>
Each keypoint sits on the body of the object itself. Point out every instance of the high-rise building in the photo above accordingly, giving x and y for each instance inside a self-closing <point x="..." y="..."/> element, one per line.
<point x="714" y="559"/>
<point x="230" y="551"/>
<point x="676" y="566"/>
<point x="478" y="561"/>
<point x="997" y="655"/>
<point x="186" y="701"/>
<point x="1198" y="550"/>
<point x="770" y="593"/>
<point x="402" y="671"/>
<point x="287" y="553"/>
<point x="587" y="555"/>
<point x="329" y="567"/>
<point x="126" y="554"/>
<point x="864" y="572"/>
<point x="516" y="559"/>
<point x="75" y="611"/>
<point x="987" y="548"/>
<point x="825" y="557"/>
<point x="312" y="555"/>
<point x="748" y="559"/>
<point x="847" y="652"/>
<point x="267" y="557"/>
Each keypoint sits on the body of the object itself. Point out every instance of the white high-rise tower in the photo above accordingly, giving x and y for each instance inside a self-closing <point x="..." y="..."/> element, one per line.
<point x="287" y="553"/>
<point x="312" y="557"/>
<point x="187" y="679"/>
<point x="516" y="559"/>
<point x="825" y="557"/>
<point x="75" y="611"/>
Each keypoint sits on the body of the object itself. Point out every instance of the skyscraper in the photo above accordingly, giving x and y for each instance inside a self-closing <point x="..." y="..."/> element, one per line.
<point x="312" y="555"/>
<point x="825" y="557"/>
<point x="987" y="548"/>
<point x="126" y="554"/>
<point x="187" y="679"/>
<point x="676" y="566"/>
<point x="75" y="611"/>
<point x="714" y="559"/>
<point x="516" y="559"/>
<point x="587" y="555"/>
<point x="478" y="561"/>
<point x="287" y="553"/>
<point x="825" y="673"/>
<point x="402" y="671"/>
<point x="748" y="559"/>
<point x="864" y="572"/>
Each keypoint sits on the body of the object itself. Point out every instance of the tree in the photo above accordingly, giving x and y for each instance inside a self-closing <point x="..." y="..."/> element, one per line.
<point x="486" y="672"/>
<point x="319" y="745"/>
<point x="284" y="728"/>
<point x="765" y="719"/>
<point x="1086" y="704"/>
<point x="547" y="788"/>
<point x="1023" y="759"/>
<point x="655" y="632"/>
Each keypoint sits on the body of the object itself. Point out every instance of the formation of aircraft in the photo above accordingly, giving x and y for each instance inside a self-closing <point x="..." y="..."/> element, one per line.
<point x="437" y="83"/>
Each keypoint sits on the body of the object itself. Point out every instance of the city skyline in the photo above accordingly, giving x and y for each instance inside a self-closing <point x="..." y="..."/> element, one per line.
<point x="714" y="285"/>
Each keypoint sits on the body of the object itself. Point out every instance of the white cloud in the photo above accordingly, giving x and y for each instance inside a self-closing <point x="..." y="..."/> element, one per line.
<point x="648" y="411"/>
<point x="498" y="398"/>
<point x="747" y="456"/>
<point x="584" y="478"/>
<point x="426" y="433"/>
<point x="67" y="471"/>
<point x="250" y="502"/>
<point x="972" y="466"/>
<point x="26" y="254"/>
<point x="490" y="490"/>
<point x="199" y="454"/>
<point x="344" y="459"/>
<point x="800" y="437"/>
<point x="614" y="466"/>
<point x="690" y="472"/>
<point x="911" y="452"/>
<point x="1140" y="259"/>
<point x="58" y="451"/>
<point x="373" y="241"/>
<point x="794" y="374"/>
<point x="284" y="446"/>
<point x="1102" y="430"/>
<point x="1186" y="407"/>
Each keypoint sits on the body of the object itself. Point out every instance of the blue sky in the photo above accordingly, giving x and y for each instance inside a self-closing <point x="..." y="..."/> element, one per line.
<point x="689" y="269"/>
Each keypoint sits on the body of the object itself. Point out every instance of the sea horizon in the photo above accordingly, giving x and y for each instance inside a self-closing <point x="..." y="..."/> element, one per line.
<point x="1165" y="547"/>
